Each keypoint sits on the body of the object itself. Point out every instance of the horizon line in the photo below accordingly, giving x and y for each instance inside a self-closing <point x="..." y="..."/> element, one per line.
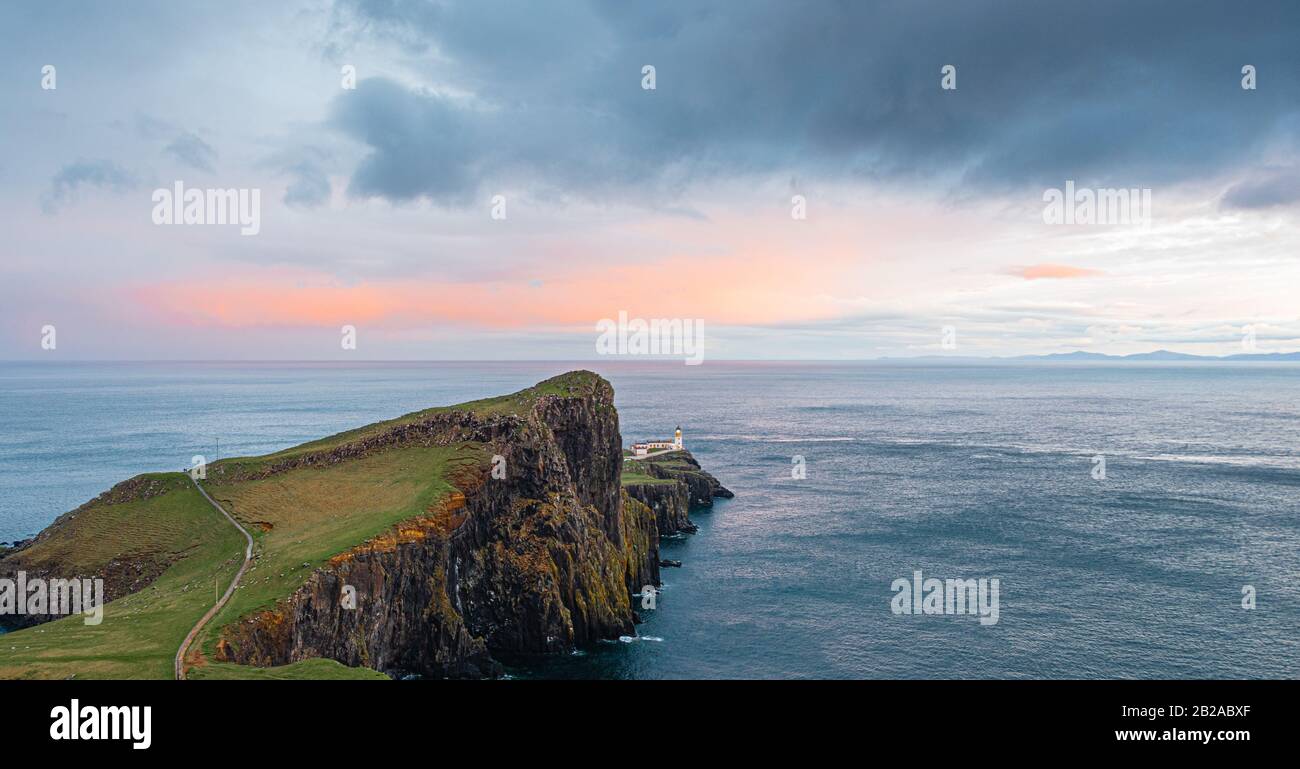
<point x="929" y="357"/>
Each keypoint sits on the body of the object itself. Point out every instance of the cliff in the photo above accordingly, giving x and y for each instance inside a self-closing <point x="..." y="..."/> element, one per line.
<point x="538" y="561"/>
<point x="434" y="544"/>
<point x="672" y="485"/>
<point x="669" y="502"/>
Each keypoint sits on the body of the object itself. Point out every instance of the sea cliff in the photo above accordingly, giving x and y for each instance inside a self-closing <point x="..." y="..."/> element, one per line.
<point x="531" y="541"/>
<point x="542" y="559"/>
<point x="672" y="485"/>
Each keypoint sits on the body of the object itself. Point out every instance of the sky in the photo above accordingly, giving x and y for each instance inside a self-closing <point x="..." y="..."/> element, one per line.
<point x="500" y="178"/>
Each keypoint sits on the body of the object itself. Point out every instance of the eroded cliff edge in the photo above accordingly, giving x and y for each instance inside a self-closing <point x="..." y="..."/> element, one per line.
<point x="541" y="560"/>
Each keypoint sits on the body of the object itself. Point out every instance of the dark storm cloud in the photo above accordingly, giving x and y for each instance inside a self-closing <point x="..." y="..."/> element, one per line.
<point x="1107" y="93"/>
<point x="423" y="145"/>
<point x="94" y="173"/>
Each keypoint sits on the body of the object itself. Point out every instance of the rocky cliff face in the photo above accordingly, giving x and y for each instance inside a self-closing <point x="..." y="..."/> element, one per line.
<point x="670" y="503"/>
<point x="540" y="561"/>
<point x="677" y="485"/>
<point x="703" y="488"/>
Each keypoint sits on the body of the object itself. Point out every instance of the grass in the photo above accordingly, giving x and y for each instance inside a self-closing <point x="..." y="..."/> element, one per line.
<point x="312" y="513"/>
<point x="307" y="670"/>
<point x="87" y="540"/>
<point x="635" y="477"/>
<point x="301" y="518"/>
<point x="140" y="633"/>
<point x="635" y="473"/>
<point x="519" y="403"/>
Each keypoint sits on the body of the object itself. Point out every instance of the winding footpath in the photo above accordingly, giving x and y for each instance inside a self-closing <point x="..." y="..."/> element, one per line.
<point x="248" y="558"/>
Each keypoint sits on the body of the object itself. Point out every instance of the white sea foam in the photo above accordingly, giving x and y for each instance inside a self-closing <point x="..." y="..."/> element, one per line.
<point x="1270" y="462"/>
<point x="1239" y="460"/>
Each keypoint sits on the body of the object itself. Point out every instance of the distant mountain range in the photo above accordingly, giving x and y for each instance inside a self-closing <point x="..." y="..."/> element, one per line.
<point x="1158" y="355"/>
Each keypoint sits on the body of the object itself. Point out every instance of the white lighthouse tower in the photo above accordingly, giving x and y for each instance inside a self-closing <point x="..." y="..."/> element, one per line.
<point x="677" y="439"/>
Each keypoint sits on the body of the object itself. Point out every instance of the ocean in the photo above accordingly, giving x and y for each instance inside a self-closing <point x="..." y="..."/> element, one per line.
<point x="958" y="471"/>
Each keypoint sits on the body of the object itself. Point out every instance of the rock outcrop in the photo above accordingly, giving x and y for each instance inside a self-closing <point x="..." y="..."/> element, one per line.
<point x="673" y="485"/>
<point x="670" y="503"/>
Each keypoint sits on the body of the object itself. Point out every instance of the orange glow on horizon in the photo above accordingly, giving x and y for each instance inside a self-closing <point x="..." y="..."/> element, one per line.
<point x="755" y="276"/>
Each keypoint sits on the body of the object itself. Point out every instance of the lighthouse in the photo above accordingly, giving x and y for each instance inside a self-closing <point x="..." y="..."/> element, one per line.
<point x="643" y="449"/>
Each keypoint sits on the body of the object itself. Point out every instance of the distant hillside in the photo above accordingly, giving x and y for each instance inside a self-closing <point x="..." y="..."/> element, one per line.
<point x="1082" y="356"/>
<point x="1162" y="355"/>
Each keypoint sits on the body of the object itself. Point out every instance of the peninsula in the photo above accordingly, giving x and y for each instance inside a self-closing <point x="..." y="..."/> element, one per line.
<point x="431" y="545"/>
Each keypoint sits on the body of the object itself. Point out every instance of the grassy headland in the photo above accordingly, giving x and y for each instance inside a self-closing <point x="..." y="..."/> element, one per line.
<point x="183" y="552"/>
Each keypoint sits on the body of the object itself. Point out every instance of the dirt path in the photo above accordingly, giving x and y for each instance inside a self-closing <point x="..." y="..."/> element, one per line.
<point x="248" y="558"/>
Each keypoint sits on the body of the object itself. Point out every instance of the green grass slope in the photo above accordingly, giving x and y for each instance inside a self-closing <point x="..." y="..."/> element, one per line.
<point x="307" y="670"/>
<point x="636" y="474"/>
<point x="140" y="633"/>
<point x="299" y="519"/>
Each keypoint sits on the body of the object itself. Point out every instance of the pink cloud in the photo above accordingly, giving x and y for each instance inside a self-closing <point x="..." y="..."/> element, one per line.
<point x="734" y="272"/>
<point x="1040" y="271"/>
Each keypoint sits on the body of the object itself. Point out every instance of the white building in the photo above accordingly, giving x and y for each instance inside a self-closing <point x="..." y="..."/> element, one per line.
<point x="642" y="449"/>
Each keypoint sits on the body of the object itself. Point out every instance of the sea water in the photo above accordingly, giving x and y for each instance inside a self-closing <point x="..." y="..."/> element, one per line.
<point x="959" y="471"/>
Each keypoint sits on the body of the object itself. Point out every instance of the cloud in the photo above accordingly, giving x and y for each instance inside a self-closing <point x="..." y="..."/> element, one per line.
<point x="152" y="128"/>
<point x="308" y="168"/>
<point x="192" y="151"/>
<point x="1271" y="188"/>
<point x="763" y="285"/>
<point x="925" y="199"/>
<point x="1041" y="271"/>
<point x="96" y="173"/>
<point x="310" y="186"/>
<point x="422" y="146"/>
<point x="550" y="95"/>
